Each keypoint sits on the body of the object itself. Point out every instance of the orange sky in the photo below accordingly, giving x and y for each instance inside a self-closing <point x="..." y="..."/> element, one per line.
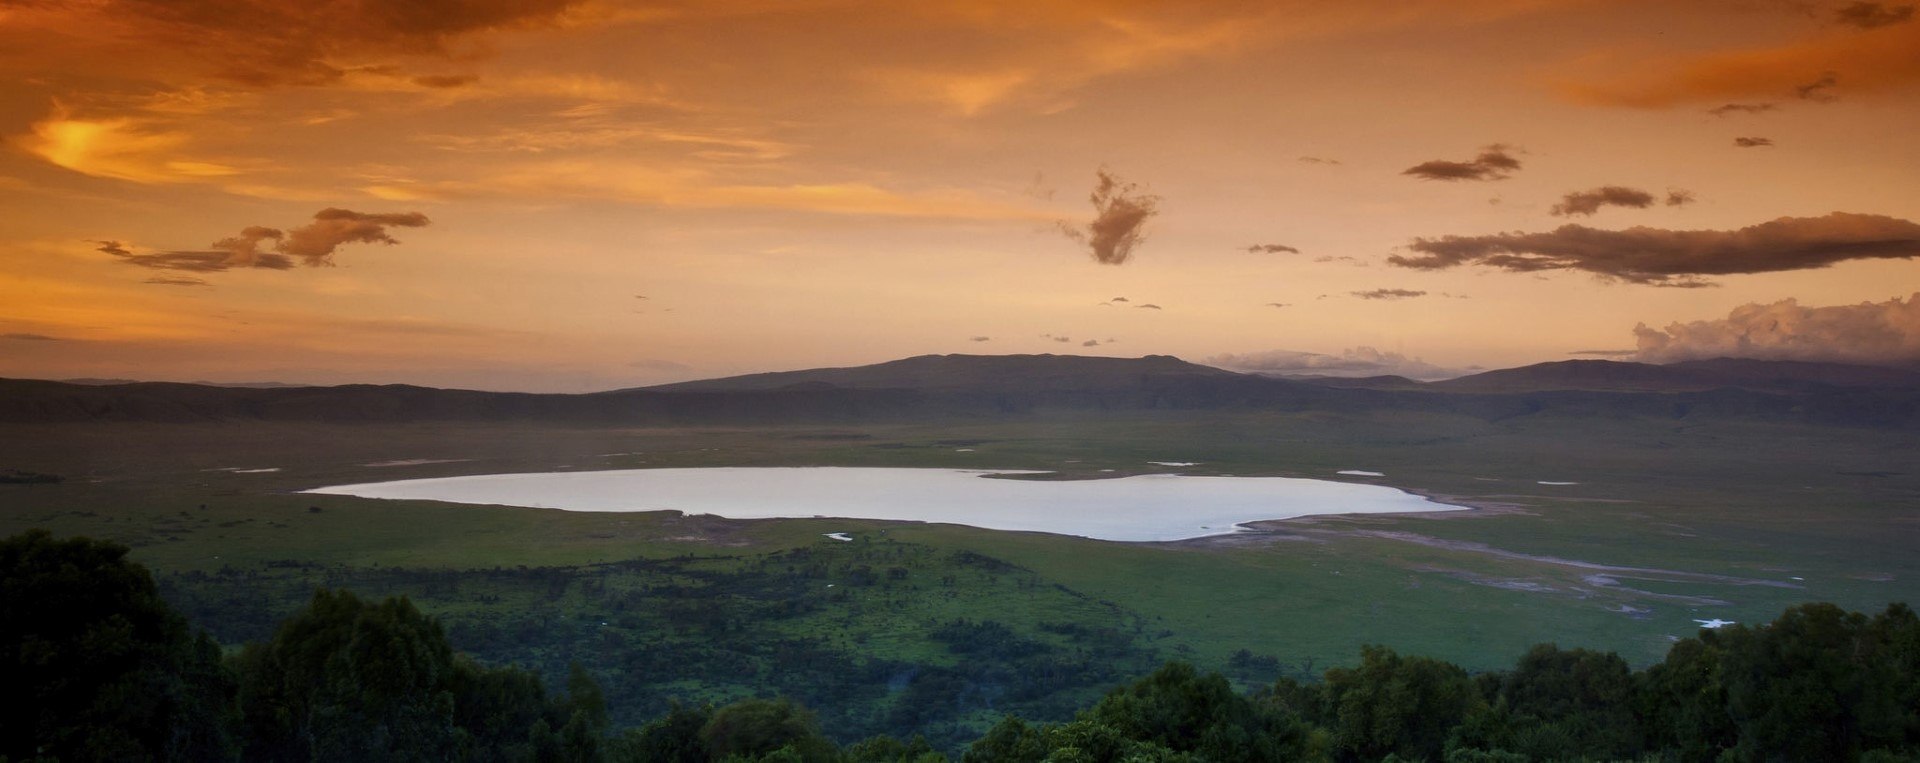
<point x="480" y="193"/>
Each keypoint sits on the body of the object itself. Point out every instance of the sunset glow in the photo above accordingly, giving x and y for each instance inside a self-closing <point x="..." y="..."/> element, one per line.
<point x="575" y="195"/>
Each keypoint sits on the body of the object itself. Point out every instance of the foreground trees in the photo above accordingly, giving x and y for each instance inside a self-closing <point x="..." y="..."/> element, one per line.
<point x="98" y="667"/>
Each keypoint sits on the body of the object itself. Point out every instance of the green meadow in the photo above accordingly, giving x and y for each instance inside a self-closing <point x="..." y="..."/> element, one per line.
<point x="940" y="627"/>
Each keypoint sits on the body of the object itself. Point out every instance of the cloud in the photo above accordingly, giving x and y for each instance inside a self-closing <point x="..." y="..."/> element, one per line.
<point x="1120" y="214"/>
<point x="1341" y="258"/>
<point x="1090" y="343"/>
<point x="1752" y="142"/>
<point x="1679" y="197"/>
<point x="1819" y="90"/>
<point x="243" y="251"/>
<point x="266" y="42"/>
<point x="1589" y="202"/>
<point x="1389" y="294"/>
<point x="445" y="81"/>
<point x="1278" y="304"/>
<point x="1873" y="15"/>
<point x="1495" y="162"/>
<point x="1605" y="353"/>
<point x="1879" y="60"/>
<point x="1060" y="339"/>
<point x="1319" y="160"/>
<point x="192" y="261"/>
<point x="119" y="148"/>
<point x="1147" y="306"/>
<point x="1869" y="332"/>
<point x="175" y="281"/>
<point x="1271" y="249"/>
<point x="1677" y="257"/>
<point x="1741" y="108"/>
<point x="23" y="337"/>
<point x="313" y="244"/>
<point x="1118" y="299"/>
<point x="980" y="339"/>
<point x="1354" y="361"/>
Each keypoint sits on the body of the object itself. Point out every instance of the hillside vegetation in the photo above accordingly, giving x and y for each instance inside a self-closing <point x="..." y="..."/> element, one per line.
<point x="103" y="669"/>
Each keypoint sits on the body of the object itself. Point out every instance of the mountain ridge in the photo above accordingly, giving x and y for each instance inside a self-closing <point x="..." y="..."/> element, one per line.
<point x="944" y="387"/>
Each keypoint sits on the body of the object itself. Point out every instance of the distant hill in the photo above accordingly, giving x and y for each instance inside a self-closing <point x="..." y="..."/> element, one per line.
<point x="1356" y="382"/>
<point x="93" y="382"/>
<point x="1613" y="375"/>
<point x="950" y="387"/>
<point x="1792" y="373"/>
<point x="979" y="373"/>
<point x="1610" y="375"/>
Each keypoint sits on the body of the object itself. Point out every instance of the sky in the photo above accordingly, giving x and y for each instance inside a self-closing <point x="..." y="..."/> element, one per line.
<point x="573" y="195"/>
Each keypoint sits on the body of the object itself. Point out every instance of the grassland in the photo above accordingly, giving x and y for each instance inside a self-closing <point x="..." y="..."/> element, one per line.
<point x="1670" y="522"/>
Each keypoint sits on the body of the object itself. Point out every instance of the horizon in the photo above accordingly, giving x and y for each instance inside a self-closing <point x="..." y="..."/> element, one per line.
<point x="1334" y="373"/>
<point x="586" y="195"/>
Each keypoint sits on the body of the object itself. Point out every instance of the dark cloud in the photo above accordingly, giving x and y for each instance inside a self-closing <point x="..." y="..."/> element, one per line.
<point x="1589" y="202"/>
<point x="200" y="261"/>
<point x="1271" y="249"/>
<point x="445" y="81"/>
<point x="1819" y="90"/>
<point x="1605" y="353"/>
<point x="175" y="281"/>
<point x="115" y="248"/>
<point x="269" y="42"/>
<point x="1278" y="304"/>
<point x="313" y="244"/>
<point x="1677" y="258"/>
<point x="1752" y="142"/>
<point x="1120" y="214"/>
<point x="1147" y="306"/>
<point x="1388" y="294"/>
<point x="1495" y="162"/>
<point x="1869" y="332"/>
<point x="1319" y="160"/>
<point x="1340" y="258"/>
<point x="980" y="339"/>
<point x="1090" y="343"/>
<point x="1741" y="108"/>
<point x="1354" y="361"/>
<point x="1679" y="197"/>
<point x="243" y="251"/>
<point x="21" y="337"/>
<point x="1061" y="339"/>
<point x="1873" y="15"/>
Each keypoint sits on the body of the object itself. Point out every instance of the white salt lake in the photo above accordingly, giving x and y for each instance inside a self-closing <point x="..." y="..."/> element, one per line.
<point x="1148" y="507"/>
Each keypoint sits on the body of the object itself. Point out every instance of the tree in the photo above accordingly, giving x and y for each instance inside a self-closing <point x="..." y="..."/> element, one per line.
<point x="671" y="738"/>
<point x="347" y="680"/>
<point x="1684" y="703"/>
<point x="755" y="727"/>
<point x="1561" y="704"/>
<point x="97" y="666"/>
<point x="1393" y="705"/>
<point x="1178" y="709"/>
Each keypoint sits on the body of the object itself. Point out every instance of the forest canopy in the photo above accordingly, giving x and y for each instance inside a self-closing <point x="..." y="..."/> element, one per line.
<point x="102" y="668"/>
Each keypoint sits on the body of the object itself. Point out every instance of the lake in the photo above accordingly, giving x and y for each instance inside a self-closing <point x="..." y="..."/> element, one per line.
<point x="1150" y="507"/>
